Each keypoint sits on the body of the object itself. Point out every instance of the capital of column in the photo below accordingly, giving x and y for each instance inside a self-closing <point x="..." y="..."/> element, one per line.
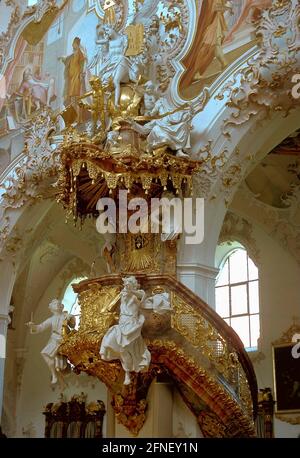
<point x="198" y="269"/>
<point x="200" y="279"/>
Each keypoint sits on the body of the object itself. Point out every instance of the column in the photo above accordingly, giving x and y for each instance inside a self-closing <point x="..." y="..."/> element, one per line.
<point x="200" y="279"/>
<point x="4" y="320"/>
<point x="162" y="412"/>
<point x="196" y="263"/>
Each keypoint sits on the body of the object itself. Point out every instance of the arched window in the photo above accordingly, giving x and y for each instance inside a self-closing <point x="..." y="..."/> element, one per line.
<point x="237" y="296"/>
<point x="70" y="300"/>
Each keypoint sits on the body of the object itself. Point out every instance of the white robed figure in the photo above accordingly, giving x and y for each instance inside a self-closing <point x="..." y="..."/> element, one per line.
<point x="170" y="128"/>
<point x="113" y="64"/>
<point x="55" y="362"/>
<point x="124" y="340"/>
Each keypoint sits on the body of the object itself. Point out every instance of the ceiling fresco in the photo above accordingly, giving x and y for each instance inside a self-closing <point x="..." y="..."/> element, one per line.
<point x="61" y="47"/>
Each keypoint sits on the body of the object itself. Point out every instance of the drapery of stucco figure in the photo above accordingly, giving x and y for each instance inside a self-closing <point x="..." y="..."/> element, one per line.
<point x="113" y="64"/>
<point x="172" y="130"/>
<point x="210" y="35"/>
<point x="101" y="49"/>
<point x="250" y="6"/>
<point x="56" y="323"/>
<point x="124" y="340"/>
<point x="75" y="75"/>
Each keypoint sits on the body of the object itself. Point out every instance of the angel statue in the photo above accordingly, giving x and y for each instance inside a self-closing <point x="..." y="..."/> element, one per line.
<point x="60" y="322"/>
<point x="124" y="340"/>
<point x="112" y="63"/>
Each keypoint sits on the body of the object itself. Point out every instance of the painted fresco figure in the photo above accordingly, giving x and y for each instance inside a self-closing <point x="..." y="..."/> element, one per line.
<point x="36" y="92"/>
<point x="210" y="36"/>
<point x="75" y="66"/>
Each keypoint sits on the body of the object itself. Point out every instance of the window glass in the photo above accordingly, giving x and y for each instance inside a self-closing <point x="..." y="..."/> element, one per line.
<point x="237" y="296"/>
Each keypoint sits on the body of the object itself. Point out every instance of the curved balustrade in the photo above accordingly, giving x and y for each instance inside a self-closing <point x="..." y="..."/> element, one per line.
<point x="192" y="344"/>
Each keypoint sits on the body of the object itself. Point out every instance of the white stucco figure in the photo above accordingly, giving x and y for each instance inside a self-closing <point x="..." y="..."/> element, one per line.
<point x="172" y="130"/>
<point x="113" y="63"/>
<point x="101" y="49"/>
<point x="124" y="340"/>
<point x="159" y="303"/>
<point x="150" y="94"/>
<point x="55" y="323"/>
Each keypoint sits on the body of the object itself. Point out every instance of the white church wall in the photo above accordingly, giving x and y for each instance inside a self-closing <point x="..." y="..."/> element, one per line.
<point x="279" y="303"/>
<point x="184" y="421"/>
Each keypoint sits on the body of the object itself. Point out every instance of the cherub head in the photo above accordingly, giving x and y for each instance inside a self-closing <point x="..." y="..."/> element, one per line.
<point x="56" y="306"/>
<point x="130" y="283"/>
<point x="27" y="74"/>
<point x="108" y="30"/>
<point x="96" y="83"/>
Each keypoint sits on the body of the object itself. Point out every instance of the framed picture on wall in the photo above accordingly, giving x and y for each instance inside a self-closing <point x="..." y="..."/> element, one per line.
<point x="286" y="379"/>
